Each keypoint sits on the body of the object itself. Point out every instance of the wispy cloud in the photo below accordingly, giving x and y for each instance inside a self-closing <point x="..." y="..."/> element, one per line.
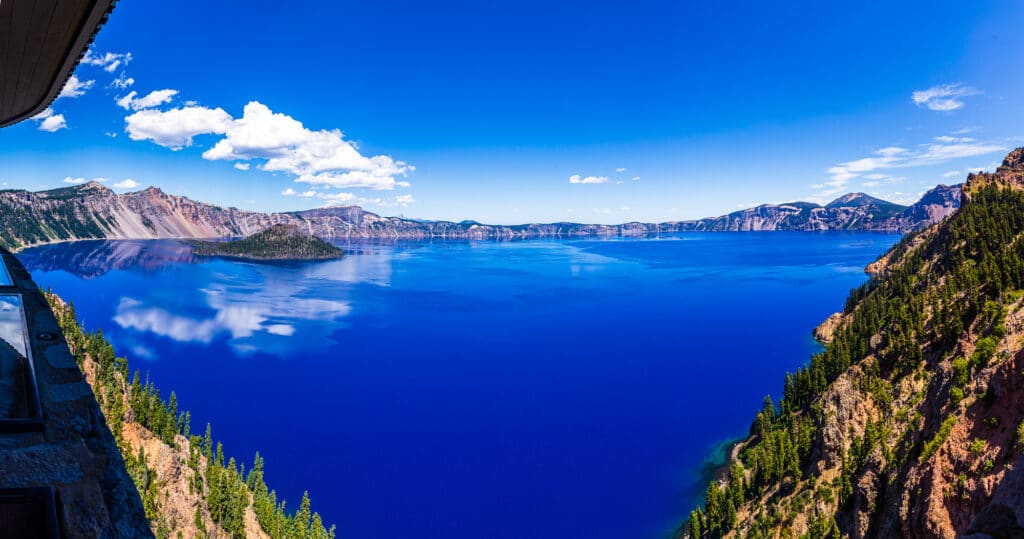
<point x="348" y="199"/>
<point x="944" y="97"/>
<point x="620" y="169"/>
<point x="576" y="178"/>
<point x="122" y="82"/>
<point x="943" y="149"/>
<point x="51" y="121"/>
<point x="108" y="61"/>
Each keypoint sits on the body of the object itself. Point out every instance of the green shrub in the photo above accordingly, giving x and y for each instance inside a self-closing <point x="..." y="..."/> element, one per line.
<point x="983" y="351"/>
<point x="931" y="446"/>
<point x="961" y="369"/>
<point x="978" y="446"/>
<point x="1020" y="437"/>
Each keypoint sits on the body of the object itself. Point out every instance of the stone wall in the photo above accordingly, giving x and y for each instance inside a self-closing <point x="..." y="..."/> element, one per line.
<point x="75" y="453"/>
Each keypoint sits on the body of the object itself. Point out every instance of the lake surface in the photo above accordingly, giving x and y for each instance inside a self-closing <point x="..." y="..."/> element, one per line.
<point x="541" y="389"/>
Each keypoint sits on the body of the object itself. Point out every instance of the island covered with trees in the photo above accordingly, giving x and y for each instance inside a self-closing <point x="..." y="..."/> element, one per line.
<point x="279" y="242"/>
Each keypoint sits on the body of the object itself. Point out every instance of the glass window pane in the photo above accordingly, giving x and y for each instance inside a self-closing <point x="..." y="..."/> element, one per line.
<point x="15" y="391"/>
<point x="12" y="325"/>
<point x="5" y="277"/>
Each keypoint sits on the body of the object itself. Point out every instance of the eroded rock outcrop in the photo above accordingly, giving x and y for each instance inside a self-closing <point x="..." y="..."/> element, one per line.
<point x="92" y="211"/>
<point x="911" y="423"/>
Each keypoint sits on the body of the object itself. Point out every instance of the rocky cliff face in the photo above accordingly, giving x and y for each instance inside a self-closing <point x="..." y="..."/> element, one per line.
<point x="854" y="211"/>
<point x="187" y="486"/>
<point x="911" y="423"/>
<point x="180" y="506"/>
<point x="1009" y="175"/>
<point x="91" y="211"/>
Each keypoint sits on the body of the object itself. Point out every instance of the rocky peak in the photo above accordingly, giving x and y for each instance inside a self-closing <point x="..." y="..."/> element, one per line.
<point x="1014" y="160"/>
<point x="81" y="191"/>
<point x="1009" y="175"/>
<point x="93" y="186"/>
<point x="857" y="200"/>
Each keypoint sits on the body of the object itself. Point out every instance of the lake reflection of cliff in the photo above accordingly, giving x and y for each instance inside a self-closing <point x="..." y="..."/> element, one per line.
<point x="430" y="372"/>
<point x="160" y="290"/>
<point x="90" y="259"/>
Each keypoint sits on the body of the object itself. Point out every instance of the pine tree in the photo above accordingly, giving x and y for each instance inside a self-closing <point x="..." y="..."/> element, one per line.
<point x="302" y="516"/>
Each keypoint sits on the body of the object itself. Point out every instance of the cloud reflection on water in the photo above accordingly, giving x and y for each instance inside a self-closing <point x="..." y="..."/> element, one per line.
<point x="255" y="307"/>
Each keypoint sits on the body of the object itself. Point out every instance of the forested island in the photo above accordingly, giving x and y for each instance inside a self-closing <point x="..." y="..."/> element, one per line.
<point x="279" y="242"/>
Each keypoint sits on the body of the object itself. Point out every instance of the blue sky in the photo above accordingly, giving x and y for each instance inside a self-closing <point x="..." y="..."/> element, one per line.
<point x="529" y="111"/>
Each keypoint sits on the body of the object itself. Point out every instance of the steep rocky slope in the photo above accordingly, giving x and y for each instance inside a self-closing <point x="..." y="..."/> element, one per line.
<point x="911" y="422"/>
<point x="187" y="488"/>
<point x="91" y="211"/>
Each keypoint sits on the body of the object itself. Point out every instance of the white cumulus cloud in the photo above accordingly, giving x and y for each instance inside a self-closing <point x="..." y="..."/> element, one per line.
<point x="150" y="100"/>
<point x="128" y="183"/>
<point x="278" y="142"/>
<point x="944" y="97"/>
<point x="321" y="157"/>
<point x="75" y="87"/>
<point x="175" y="128"/>
<point x="48" y="121"/>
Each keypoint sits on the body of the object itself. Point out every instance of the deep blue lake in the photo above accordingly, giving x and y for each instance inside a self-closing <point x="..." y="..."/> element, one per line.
<point x="541" y="389"/>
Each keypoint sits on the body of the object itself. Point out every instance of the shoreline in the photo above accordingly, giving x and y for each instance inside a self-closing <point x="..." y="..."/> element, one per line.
<point x="469" y="238"/>
<point x="716" y="466"/>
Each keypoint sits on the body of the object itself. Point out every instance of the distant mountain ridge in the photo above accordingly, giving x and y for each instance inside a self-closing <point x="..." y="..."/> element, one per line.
<point x="92" y="211"/>
<point x="853" y="211"/>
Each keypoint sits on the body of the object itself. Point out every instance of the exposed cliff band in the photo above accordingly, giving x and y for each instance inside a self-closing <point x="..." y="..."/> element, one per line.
<point x="911" y="422"/>
<point x="92" y="211"/>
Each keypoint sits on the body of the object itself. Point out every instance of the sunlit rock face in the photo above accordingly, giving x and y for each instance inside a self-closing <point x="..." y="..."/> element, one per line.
<point x="92" y="211"/>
